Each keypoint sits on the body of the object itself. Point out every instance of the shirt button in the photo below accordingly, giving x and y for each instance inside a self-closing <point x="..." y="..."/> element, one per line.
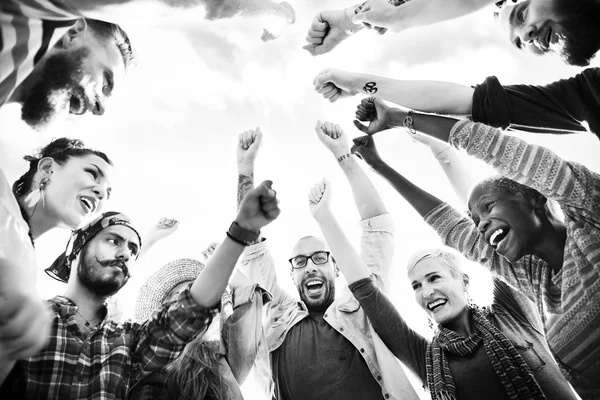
<point x="387" y="396"/>
<point x="325" y="315"/>
<point x="378" y="378"/>
<point x="362" y="350"/>
<point x="342" y="329"/>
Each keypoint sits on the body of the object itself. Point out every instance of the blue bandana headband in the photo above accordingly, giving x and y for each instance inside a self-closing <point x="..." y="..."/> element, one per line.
<point x="61" y="267"/>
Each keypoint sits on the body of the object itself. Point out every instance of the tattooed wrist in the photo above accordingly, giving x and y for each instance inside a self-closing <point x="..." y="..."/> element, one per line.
<point x="370" y="88"/>
<point x="344" y="156"/>
<point x="245" y="184"/>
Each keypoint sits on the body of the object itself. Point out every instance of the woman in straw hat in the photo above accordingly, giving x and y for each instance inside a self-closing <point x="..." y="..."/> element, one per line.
<point x="496" y="353"/>
<point x="217" y="362"/>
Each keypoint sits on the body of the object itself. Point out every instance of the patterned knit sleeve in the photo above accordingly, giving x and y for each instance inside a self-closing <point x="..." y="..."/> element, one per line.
<point x="170" y="328"/>
<point x="570" y="184"/>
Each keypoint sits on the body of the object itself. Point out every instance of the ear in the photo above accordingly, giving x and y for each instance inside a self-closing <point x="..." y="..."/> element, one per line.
<point x="537" y="200"/>
<point x="74" y="33"/>
<point x="465" y="279"/>
<point x="45" y="166"/>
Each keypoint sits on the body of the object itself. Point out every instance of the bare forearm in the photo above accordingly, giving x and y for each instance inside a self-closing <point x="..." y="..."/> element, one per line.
<point x="419" y="199"/>
<point x="437" y="126"/>
<point x="455" y="170"/>
<point x="367" y="199"/>
<point x="211" y="283"/>
<point x="245" y="182"/>
<point x="351" y="264"/>
<point x="427" y="96"/>
<point x="418" y="13"/>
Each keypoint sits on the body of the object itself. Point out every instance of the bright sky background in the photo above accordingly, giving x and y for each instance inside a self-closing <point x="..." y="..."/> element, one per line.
<point x="172" y="129"/>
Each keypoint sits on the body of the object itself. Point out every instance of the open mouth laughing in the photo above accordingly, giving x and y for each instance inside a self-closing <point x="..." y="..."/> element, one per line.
<point x="89" y="204"/>
<point x="436" y="305"/>
<point x="314" y="286"/>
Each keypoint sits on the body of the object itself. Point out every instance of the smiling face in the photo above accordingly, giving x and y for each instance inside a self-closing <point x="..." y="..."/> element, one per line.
<point x="508" y="222"/>
<point x="106" y="260"/>
<point x="77" y="190"/>
<point x="551" y="26"/>
<point x="315" y="283"/>
<point x="440" y="292"/>
<point x="75" y="77"/>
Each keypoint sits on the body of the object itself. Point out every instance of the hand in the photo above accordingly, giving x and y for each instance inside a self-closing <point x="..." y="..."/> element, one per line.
<point x="384" y="14"/>
<point x="333" y="137"/>
<point x="328" y="29"/>
<point x="364" y="147"/>
<point x="259" y="207"/>
<point x="374" y="111"/>
<point x="336" y="84"/>
<point x="163" y="228"/>
<point x="319" y="199"/>
<point x="248" y="145"/>
<point x="24" y="325"/>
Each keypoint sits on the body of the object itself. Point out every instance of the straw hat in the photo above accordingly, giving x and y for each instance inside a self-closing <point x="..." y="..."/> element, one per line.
<point x="158" y="286"/>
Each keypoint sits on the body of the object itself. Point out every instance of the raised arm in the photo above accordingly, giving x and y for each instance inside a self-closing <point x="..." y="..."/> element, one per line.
<point x="163" y="228"/>
<point x="408" y="346"/>
<point x="259" y="208"/>
<point x="428" y="96"/>
<point x="377" y="239"/>
<point x="559" y="107"/>
<point x="416" y="13"/>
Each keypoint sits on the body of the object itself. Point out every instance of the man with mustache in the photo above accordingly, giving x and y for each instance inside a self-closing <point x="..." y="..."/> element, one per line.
<point x="58" y="58"/>
<point x="90" y="355"/>
<point x="323" y="346"/>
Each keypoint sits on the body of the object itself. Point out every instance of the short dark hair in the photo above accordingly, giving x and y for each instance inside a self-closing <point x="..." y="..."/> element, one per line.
<point x="503" y="184"/>
<point x="114" y="32"/>
<point x="581" y="22"/>
<point x="60" y="150"/>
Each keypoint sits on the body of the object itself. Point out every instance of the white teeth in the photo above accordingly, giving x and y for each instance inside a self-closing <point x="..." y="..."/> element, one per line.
<point x="436" y="303"/>
<point x="497" y="233"/>
<point x="87" y="203"/>
<point x="314" y="282"/>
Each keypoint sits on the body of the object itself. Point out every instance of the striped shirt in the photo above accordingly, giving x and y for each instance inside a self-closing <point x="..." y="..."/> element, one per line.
<point x="28" y="28"/>
<point x="113" y="356"/>
<point x="568" y="301"/>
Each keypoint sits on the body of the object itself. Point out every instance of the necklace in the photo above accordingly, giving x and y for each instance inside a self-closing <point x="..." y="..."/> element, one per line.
<point x="87" y="321"/>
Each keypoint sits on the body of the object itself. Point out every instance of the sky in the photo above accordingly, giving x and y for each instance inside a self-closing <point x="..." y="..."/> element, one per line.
<point x="172" y="129"/>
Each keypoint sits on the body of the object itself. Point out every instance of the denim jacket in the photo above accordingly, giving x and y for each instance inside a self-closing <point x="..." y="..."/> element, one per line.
<point x="345" y="314"/>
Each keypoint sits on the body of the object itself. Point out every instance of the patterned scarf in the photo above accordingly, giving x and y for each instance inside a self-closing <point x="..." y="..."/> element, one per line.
<point x="514" y="373"/>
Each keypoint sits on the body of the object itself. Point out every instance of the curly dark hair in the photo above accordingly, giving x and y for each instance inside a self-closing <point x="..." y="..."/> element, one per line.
<point x="60" y="150"/>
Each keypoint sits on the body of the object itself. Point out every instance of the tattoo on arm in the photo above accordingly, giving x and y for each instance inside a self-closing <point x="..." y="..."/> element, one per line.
<point x="245" y="184"/>
<point x="370" y="87"/>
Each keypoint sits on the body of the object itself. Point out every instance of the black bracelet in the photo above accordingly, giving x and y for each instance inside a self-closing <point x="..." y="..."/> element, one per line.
<point x="238" y="241"/>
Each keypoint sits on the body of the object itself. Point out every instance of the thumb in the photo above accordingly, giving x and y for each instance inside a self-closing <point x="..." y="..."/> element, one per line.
<point x="322" y="79"/>
<point x="360" y="126"/>
<point x="361" y="140"/>
<point x="312" y="49"/>
<point x="258" y="137"/>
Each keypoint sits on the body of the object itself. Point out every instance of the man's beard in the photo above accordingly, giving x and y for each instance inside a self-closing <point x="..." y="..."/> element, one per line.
<point x="581" y="30"/>
<point x="53" y="93"/>
<point x="88" y="273"/>
<point x="320" y="305"/>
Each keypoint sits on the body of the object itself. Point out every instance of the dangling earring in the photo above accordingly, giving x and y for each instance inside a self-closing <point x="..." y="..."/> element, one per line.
<point x="429" y="323"/>
<point x="34" y="197"/>
<point x="470" y="303"/>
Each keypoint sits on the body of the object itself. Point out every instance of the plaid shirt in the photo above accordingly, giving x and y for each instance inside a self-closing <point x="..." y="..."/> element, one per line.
<point x="113" y="356"/>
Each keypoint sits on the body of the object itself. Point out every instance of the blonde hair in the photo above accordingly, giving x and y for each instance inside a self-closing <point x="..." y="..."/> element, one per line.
<point x="447" y="256"/>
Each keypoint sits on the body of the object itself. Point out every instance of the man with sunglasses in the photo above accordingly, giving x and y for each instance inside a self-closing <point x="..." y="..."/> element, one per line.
<point x="323" y="347"/>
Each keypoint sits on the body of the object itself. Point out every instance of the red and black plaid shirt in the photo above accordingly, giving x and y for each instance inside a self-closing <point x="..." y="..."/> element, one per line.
<point x="113" y="356"/>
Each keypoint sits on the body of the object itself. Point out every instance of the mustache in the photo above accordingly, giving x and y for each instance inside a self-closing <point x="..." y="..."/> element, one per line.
<point x="115" y="263"/>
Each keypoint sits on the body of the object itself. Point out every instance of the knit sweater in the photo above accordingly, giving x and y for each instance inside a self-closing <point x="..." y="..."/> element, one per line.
<point x="568" y="301"/>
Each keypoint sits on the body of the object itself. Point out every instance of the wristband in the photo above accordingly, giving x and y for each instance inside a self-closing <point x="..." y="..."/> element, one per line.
<point x="344" y="156"/>
<point x="242" y="236"/>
